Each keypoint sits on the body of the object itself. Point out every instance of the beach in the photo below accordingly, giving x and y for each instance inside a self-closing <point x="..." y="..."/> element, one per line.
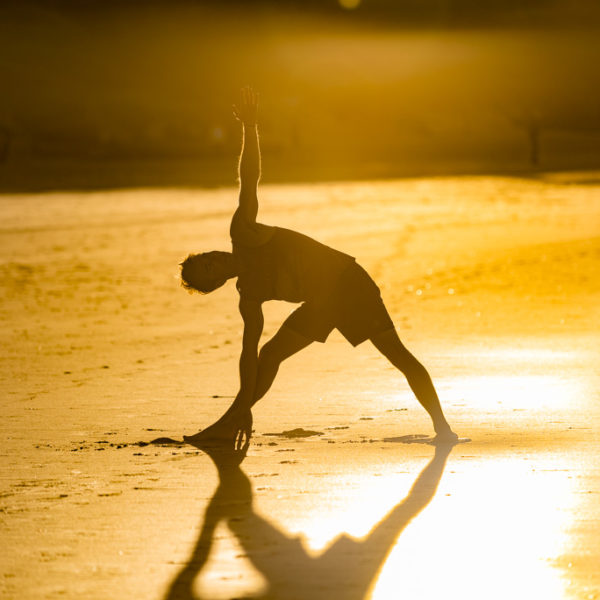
<point x="493" y="283"/>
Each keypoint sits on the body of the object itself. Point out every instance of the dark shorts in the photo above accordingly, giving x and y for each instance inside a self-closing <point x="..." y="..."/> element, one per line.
<point x="355" y="308"/>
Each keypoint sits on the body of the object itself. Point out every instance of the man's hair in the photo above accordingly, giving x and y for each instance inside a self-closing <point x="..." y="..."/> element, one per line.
<point x="193" y="277"/>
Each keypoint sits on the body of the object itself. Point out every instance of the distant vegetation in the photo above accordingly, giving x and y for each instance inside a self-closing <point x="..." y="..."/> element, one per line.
<point x="127" y="93"/>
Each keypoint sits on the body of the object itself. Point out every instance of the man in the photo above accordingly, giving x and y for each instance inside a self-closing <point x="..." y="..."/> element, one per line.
<point x="272" y="263"/>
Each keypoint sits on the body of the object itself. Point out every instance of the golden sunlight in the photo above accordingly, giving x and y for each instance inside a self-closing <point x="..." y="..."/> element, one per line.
<point x="501" y="519"/>
<point x="493" y="530"/>
<point x="387" y="385"/>
<point x="349" y="4"/>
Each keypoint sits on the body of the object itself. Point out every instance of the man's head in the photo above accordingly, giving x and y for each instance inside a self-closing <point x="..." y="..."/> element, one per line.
<point x="208" y="271"/>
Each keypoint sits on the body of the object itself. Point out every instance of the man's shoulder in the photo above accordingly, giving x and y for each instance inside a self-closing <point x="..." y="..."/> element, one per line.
<point x="249" y="235"/>
<point x="248" y="289"/>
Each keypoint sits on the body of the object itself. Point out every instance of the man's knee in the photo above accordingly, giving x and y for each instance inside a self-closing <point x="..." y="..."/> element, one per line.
<point x="396" y="352"/>
<point x="270" y="354"/>
<point x="282" y="345"/>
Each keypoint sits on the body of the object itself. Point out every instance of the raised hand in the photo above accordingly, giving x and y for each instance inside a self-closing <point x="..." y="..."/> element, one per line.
<point x="245" y="111"/>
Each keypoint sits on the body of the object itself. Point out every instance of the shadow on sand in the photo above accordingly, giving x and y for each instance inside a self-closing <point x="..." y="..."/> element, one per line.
<point x="347" y="568"/>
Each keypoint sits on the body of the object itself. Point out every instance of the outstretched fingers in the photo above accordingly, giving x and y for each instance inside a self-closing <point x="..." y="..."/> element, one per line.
<point x="242" y="439"/>
<point x="246" y="110"/>
<point x="249" y="95"/>
<point x="243" y="431"/>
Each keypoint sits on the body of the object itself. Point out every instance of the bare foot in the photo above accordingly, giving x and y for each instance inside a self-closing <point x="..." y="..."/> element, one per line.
<point x="220" y="431"/>
<point x="234" y="427"/>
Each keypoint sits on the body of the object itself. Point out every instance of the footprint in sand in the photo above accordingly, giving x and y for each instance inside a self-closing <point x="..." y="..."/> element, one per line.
<point x="296" y="433"/>
<point x="422" y="439"/>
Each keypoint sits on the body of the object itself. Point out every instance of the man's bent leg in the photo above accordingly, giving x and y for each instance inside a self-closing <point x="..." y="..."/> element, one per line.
<point x="282" y="345"/>
<point x="285" y="343"/>
<point x="389" y="344"/>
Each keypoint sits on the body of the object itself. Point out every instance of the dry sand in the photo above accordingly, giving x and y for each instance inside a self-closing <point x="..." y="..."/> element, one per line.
<point x="493" y="282"/>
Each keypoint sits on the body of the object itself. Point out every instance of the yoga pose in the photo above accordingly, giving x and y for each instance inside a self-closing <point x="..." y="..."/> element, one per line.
<point x="273" y="263"/>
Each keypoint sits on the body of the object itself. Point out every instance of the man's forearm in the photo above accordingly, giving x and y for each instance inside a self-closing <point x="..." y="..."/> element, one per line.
<point x="249" y="167"/>
<point x="248" y="371"/>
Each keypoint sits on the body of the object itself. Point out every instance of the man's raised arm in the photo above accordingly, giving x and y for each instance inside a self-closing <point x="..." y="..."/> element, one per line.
<point x="249" y="167"/>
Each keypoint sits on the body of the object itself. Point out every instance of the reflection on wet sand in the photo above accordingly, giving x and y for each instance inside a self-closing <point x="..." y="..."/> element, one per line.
<point x="348" y="568"/>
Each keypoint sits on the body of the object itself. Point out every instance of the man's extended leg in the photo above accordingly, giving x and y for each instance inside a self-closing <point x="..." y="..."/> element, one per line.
<point x="389" y="344"/>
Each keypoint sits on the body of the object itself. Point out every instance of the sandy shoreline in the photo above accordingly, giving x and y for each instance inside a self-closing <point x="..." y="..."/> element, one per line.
<point x="492" y="281"/>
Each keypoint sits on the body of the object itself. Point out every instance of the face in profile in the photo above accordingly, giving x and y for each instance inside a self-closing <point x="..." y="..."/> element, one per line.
<point x="206" y="272"/>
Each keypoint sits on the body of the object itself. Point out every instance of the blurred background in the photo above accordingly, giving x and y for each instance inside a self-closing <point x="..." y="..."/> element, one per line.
<point x="138" y="93"/>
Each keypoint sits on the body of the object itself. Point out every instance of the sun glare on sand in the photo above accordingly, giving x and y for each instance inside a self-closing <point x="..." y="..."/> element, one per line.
<point x="503" y="520"/>
<point x="490" y="521"/>
<point x="496" y="538"/>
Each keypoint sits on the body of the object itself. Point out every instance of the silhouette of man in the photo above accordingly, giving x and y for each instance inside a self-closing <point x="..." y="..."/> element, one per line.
<point x="273" y="263"/>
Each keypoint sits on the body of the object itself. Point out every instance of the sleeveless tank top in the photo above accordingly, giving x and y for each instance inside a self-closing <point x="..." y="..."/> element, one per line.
<point x="291" y="267"/>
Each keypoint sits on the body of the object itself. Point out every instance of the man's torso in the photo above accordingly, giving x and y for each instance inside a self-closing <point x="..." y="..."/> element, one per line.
<point x="289" y="266"/>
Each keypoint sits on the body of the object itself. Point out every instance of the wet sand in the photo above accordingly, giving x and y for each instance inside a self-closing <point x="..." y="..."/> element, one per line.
<point x="492" y="282"/>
